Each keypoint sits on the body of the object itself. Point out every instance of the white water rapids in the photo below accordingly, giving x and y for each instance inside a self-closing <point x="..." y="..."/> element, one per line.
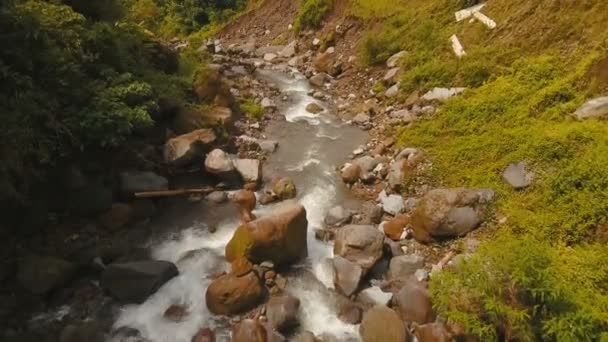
<point x="311" y="146"/>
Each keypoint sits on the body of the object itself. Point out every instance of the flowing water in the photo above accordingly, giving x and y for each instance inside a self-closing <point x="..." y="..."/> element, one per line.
<point x="311" y="147"/>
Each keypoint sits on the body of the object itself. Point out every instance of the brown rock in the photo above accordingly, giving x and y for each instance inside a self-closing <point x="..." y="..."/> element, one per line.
<point x="347" y="275"/>
<point x="395" y="227"/>
<point x="323" y="62"/>
<point x="241" y="267"/>
<point x="190" y="147"/>
<point x="414" y="303"/>
<point x="362" y="245"/>
<point x="249" y="330"/>
<point x="350" y="314"/>
<point x="285" y="188"/>
<point x="381" y="324"/>
<point x="432" y="332"/>
<point x="245" y="202"/>
<point x="230" y="294"/>
<point x="176" y="313"/>
<point x="282" y="312"/>
<point x="117" y="217"/>
<point x="204" y="335"/>
<point x="351" y="173"/>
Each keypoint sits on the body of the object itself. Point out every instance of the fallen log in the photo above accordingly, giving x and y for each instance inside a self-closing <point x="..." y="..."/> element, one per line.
<point x="172" y="193"/>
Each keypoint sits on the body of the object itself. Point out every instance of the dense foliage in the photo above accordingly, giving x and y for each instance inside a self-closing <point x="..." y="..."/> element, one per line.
<point x="312" y="13"/>
<point x="543" y="276"/>
<point x="77" y="75"/>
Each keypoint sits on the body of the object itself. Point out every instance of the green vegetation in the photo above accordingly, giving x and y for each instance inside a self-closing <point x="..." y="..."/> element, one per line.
<point x="252" y="110"/>
<point x="79" y="75"/>
<point x="543" y="275"/>
<point x="312" y="13"/>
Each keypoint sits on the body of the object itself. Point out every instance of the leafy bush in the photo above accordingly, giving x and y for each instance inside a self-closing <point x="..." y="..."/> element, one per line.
<point x="312" y="13"/>
<point x="252" y="110"/>
<point x="520" y="288"/>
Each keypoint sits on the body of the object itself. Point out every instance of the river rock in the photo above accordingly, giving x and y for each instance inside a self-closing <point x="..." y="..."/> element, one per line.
<point x="117" y="217"/>
<point x="289" y="50"/>
<point x="413" y="303"/>
<point x="279" y="237"/>
<point x="350" y="314"/>
<point x="268" y="146"/>
<point x="134" y="282"/>
<point x="392" y="91"/>
<point x="396" y="175"/>
<point x="220" y="164"/>
<point x="249" y="169"/>
<point x="269" y="57"/>
<point x="517" y="175"/>
<point x="595" y="108"/>
<point x="314" y="108"/>
<point x="441" y="94"/>
<point x="204" y="335"/>
<point x="132" y="182"/>
<point x="249" y="330"/>
<point x="282" y="312"/>
<point x="382" y="324"/>
<point x="394" y="59"/>
<point x="41" y="274"/>
<point x="176" y="313"/>
<point x="391" y="204"/>
<point x="373" y="296"/>
<point x="231" y="294"/>
<point x="370" y="213"/>
<point x="394" y="228"/>
<point x="189" y="148"/>
<point x="366" y="163"/>
<point x="404" y="266"/>
<point x="390" y="77"/>
<point x="361" y="119"/>
<point x="285" y="188"/>
<point x="359" y="244"/>
<point x="347" y="275"/>
<point x="337" y="216"/>
<point x="350" y="173"/>
<point x="446" y="213"/>
<point x="319" y="79"/>
<point x="217" y="197"/>
<point x="267" y="103"/>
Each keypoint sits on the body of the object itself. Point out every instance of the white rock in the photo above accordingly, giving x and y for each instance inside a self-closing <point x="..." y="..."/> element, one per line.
<point x="394" y="59"/>
<point x="442" y="94"/>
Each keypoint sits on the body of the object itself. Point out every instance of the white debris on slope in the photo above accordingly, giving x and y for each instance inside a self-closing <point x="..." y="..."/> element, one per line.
<point x="491" y="24"/>
<point x="468" y="12"/>
<point x="457" y="46"/>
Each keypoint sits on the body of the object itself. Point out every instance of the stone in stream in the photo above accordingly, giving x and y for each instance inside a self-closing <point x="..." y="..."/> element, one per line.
<point x="362" y="245"/>
<point x="314" y="108"/>
<point x="350" y="314"/>
<point x="448" y="213"/>
<point x="391" y="204"/>
<point x="217" y="197"/>
<point x="337" y="216"/>
<point x="350" y="173"/>
<point x="394" y="59"/>
<point x="282" y="312"/>
<point x="370" y="213"/>
<point x="268" y="146"/>
<point x="382" y="324"/>
<point x="595" y="108"/>
<point x="134" y="282"/>
<point x="249" y="169"/>
<point x="42" y="274"/>
<point x="268" y="103"/>
<point x="232" y="294"/>
<point x="517" y="175"/>
<point x="204" y="335"/>
<point x="285" y="188"/>
<point x="249" y="330"/>
<point x="279" y="237"/>
<point x="132" y="182"/>
<point x="413" y="303"/>
<point x="404" y="266"/>
<point x="245" y="202"/>
<point x="374" y="296"/>
<point x="347" y="275"/>
<point x="176" y="313"/>
<point x="219" y="163"/>
<point x="189" y="148"/>
<point x="319" y="79"/>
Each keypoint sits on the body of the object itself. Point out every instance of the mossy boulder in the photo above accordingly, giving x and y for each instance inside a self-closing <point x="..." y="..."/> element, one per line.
<point x="279" y="237"/>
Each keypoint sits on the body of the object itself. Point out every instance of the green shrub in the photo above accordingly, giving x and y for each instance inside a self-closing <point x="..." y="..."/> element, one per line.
<point x="524" y="289"/>
<point x="312" y="13"/>
<point x="252" y="110"/>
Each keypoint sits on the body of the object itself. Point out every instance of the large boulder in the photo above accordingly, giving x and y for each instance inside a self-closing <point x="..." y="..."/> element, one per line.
<point x="381" y="324"/>
<point x="220" y="164"/>
<point x="132" y="182"/>
<point x="279" y="237"/>
<point x="447" y="213"/>
<point x="190" y="147"/>
<point x="249" y="169"/>
<point x="234" y="293"/>
<point x="134" y="282"/>
<point x="347" y="275"/>
<point x="41" y="274"/>
<point x="413" y="303"/>
<point x="595" y="108"/>
<point x="249" y="330"/>
<point x="282" y="312"/>
<point x="359" y="244"/>
<point x="404" y="266"/>
<point x="190" y="119"/>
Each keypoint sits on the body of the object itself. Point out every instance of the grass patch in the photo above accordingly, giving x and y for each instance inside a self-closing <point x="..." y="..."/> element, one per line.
<point x="312" y="13"/>
<point x="252" y="110"/>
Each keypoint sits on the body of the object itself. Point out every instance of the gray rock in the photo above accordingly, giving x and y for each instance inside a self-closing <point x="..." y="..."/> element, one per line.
<point x="249" y="169"/>
<point x="282" y="312"/>
<point x="391" y="204"/>
<point x="268" y="146"/>
<point x="361" y="119"/>
<point x="442" y="94"/>
<point x="41" y="274"/>
<point x="404" y="266"/>
<point x="392" y="91"/>
<point x="319" y="79"/>
<point x="134" y="282"/>
<point x="132" y="182"/>
<point x="396" y="175"/>
<point x="517" y="176"/>
<point x="267" y="103"/>
<point x="394" y="59"/>
<point x="220" y="164"/>
<point x="366" y="163"/>
<point x="370" y="213"/>
<point x="217" y="197"/>
<point x="421" y="275"/>
<point x="337" y="216"/>
<point x="391" y="75"/>
<point x="595" y="108"/>
<point x="413" y="303"/>
<point x="374" y="296"/>
<point x="347" y="275"/>
<point x="314" y="108"/>
<point x="407" y="153"/>
<point x="188" y="148"/>
<point x="289" y="50"/>
<point x="360" y="244"/>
